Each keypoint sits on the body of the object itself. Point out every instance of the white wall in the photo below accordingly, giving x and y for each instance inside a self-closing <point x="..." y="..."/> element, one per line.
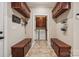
<point x="50" y="23"/>
<point x="1" y="29"/>
<point x="68" y="36"/>
<point x="13" y="32"/>
<point x="76" y="29"/>
<point x="72" y="35"/>
<point x="54" y="30"/>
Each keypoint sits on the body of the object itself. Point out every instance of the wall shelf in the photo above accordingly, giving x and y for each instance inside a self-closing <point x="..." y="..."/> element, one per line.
<point x="22" y="8"/>
<point x="60" y="8"/>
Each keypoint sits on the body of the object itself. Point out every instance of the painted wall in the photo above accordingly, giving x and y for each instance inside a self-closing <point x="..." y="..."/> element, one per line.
<point x="76" y="29"/>
<point x="71" y="37"/>
<point x="66" y="37"/>
<point x="54" y="30"/>
<point x="1" y="30"/>
<point x="13" y="32"/>
<point x="50" y="23"/>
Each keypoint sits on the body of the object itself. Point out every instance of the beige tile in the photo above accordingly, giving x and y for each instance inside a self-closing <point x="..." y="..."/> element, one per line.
<point x="40" y="49"/>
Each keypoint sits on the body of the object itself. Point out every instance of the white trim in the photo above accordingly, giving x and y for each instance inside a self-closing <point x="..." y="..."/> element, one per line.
<point x="5" y="30"/>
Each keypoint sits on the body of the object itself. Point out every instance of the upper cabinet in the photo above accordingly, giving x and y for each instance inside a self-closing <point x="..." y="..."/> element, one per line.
<point x="60" y="8"/>
<point x="41" y="22"/>
<point x="22" y="8"/>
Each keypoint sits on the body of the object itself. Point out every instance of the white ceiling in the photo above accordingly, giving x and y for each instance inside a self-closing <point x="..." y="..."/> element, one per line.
<point x="41" y="4"/>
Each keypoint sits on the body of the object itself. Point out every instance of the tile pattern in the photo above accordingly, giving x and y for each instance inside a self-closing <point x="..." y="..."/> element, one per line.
<point x="41" y="49"/>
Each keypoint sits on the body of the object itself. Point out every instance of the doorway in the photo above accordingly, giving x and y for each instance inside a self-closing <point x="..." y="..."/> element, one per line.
<point x="41" y="27"/>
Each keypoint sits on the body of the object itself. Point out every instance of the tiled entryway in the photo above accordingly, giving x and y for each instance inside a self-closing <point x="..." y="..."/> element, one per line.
<point x="41" y="49"/>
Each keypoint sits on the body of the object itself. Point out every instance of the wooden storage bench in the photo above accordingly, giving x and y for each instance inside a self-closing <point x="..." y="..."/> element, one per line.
<point x="20" y="49"/>
<point x="61" y="49"/>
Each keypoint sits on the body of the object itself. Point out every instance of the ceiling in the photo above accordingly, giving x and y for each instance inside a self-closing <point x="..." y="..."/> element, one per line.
<point x="41" y="4"/>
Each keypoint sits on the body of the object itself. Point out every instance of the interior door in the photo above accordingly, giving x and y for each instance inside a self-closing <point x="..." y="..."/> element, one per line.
<point x="1" y="30"/>
<point x="41" y="26"/>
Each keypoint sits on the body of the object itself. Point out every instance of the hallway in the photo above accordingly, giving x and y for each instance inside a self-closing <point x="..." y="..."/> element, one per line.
<point x="23" y="24"/>
<point x="41" y="49"/>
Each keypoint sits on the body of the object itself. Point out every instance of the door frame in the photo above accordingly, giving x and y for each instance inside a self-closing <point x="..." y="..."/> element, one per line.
<point x="46" y="32"/>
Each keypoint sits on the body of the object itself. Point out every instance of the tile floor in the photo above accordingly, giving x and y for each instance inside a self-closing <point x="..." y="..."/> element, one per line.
<point x="41" y="49"/>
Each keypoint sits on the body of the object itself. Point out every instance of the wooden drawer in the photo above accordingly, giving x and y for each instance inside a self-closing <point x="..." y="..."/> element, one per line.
<point x="61" y="49"/>
<point x="64" y="52"/>
<point x="17" y="52"/>
<point x="20" y="49"/>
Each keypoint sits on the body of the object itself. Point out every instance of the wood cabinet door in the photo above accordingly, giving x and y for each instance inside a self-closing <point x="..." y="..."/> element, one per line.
<point x="41" y="21"/>
<point x="60" y="8"/>
<point x="22" y="8"/>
